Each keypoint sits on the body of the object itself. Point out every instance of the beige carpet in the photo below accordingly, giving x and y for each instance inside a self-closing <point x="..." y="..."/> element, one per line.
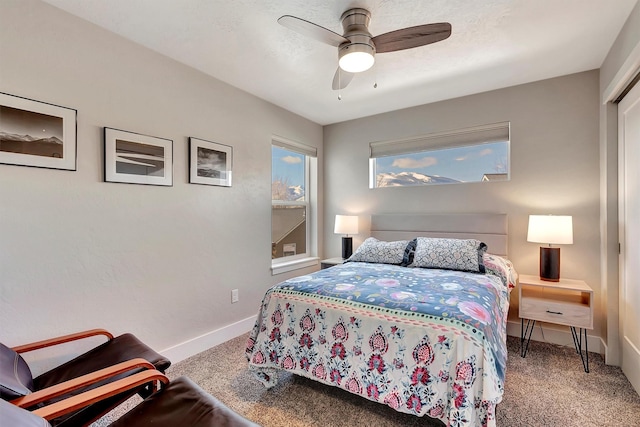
<point x="547" y="388"/>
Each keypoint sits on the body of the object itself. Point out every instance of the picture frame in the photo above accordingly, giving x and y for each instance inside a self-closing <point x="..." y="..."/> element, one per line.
<point x="210" y="163"/>
<point x="133" y="158"/>
<point x="37" y="134"/>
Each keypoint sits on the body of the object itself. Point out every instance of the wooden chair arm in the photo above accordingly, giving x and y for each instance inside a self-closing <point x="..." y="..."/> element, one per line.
<point x="87" y="398"/>
<point x="79" y="382"/>
<point x="61" y="340"/>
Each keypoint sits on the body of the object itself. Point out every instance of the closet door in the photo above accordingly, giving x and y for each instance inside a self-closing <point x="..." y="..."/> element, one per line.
<point x="629" y="220"/>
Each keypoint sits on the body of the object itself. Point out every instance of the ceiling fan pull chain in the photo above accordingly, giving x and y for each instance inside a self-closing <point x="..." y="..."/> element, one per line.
<point x="375" y="77"/>
<point x="339" y="85"/>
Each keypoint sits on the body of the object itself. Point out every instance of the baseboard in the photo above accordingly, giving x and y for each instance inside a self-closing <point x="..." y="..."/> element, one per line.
<point x="544" y="333"/>
<point x="631" y="359"/>
<point x="204" y="342"/>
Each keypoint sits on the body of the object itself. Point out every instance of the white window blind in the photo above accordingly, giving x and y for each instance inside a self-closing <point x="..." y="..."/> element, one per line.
<point x="294" y="146"/>
<point x="448" y="139"/>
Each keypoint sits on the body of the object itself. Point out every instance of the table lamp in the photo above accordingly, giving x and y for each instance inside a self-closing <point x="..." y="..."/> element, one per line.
<point x="346" y="224"/>
<point x="550" y="229"/>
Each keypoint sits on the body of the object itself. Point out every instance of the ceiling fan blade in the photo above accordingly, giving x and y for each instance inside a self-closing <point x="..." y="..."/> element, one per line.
<point x="312" y="30"/>
<point x="411" y="37"/>
<point x="341" y="79"/>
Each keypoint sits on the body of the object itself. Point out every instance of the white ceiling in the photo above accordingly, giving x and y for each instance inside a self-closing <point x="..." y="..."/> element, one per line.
<point x="494" y="44"/>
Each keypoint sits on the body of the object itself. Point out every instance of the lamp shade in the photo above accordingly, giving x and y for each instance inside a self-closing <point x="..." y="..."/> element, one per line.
<point x="356" y="58"/>
<point x="550" y="229"/>
<point x="346" y="224"/>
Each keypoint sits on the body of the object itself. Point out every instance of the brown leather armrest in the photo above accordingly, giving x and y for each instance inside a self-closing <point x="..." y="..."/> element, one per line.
<point x="79" y="382"/>
<point x="63" y="339"/>
<point x="87" y="398"/>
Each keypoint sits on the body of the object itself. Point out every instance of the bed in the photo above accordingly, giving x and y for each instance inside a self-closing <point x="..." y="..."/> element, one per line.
<point x="411" y="321"/>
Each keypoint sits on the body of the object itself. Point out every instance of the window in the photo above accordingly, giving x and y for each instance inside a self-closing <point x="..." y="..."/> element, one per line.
<point x="478" y="154"/>
<point x="292" y="201"/>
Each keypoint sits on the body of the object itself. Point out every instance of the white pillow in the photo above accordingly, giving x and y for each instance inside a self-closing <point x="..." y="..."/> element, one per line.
<point x="374" y="250"/>
<point x="451" y="254"/>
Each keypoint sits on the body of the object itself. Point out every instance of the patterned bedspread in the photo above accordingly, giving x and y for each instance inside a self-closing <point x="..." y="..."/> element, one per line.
<point x="423" y="341"/>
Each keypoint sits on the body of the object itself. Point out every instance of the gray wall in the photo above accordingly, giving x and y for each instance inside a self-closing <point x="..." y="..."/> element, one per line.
<point x="554" y="168"/>
<point x="160" y="262"/>
<point x="78" y="253"/>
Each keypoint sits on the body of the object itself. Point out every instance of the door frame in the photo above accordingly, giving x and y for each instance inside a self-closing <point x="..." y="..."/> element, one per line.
<point x="609" y="175"/>
<point x="630" y="351"/>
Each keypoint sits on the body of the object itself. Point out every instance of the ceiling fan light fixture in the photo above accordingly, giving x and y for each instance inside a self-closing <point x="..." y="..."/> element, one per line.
<point x="357" y="47"/>
<point x="356" y="58"/>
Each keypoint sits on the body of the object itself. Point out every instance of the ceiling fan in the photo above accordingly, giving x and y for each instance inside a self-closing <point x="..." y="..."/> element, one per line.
<point x="357" y="47"/>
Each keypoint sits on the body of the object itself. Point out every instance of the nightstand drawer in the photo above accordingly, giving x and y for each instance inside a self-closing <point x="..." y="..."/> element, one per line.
<point x="560" y="312"/>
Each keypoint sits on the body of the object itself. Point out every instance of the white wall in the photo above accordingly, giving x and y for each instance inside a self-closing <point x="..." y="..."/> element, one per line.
<point x="620" y="65"/>
<point x="554" y="169"/>
<point x="78" y="253"/>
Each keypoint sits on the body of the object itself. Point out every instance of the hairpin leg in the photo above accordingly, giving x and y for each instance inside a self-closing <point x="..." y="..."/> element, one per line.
<point x="577" y="342"/>
<point x="523" y="335"/>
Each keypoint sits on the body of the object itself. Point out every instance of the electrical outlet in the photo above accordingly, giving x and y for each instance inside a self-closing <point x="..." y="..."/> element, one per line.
<point x="234" y="295"/>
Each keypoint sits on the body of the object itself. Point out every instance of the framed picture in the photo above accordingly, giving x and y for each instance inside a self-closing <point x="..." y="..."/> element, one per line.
<point x="34" y="133"/>
<point x="137" y="159"/>
<point x="209" y="162"/>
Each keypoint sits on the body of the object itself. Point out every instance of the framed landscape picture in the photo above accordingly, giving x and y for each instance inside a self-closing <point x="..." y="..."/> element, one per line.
<point x="34" y="133"/>
<point x="209" y="163"/>
<point x="133" y="158"/>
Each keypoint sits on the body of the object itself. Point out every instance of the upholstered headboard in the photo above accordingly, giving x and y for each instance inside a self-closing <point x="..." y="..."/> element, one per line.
<point x="487" y="227"/>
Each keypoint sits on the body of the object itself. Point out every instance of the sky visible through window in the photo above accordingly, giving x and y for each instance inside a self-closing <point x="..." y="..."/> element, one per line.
<point x="465" y="164"/>
<point x="287" y="167"/>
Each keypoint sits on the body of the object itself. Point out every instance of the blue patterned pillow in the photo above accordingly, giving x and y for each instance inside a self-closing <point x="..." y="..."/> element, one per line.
<point x="450" y="254"/>
<point x="482" y="249"/>
<point x="374" y="250"/>
<point x="409" y="253"/>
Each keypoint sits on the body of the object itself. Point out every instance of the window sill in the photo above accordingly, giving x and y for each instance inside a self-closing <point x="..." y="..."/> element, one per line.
<point x="284" y="267"/>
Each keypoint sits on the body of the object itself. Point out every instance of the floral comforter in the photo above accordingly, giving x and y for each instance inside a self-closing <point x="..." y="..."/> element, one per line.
<point x="423" y="341"/>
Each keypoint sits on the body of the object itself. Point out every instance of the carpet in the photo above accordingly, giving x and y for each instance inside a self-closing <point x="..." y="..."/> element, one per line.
<point x="547" y="388"/>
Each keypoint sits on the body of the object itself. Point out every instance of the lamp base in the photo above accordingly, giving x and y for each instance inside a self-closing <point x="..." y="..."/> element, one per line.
<point x="347" y="247"/>
<point x="550" y="264"/>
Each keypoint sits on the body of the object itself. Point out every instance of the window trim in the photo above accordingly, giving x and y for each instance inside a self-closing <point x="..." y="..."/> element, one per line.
<point x="309" y="258"/>
<point x="294" y="264"/>
<point x="471" y="136"/>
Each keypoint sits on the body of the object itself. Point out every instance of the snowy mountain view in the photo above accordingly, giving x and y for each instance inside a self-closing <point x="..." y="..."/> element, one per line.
<point x="295" y="192"/>
<point x="410" y="178"/>
<point x="284" y="191"/>
<point x="478" y="162"/>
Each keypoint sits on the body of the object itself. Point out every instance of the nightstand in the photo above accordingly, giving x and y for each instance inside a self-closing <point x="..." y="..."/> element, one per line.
<point x="326" y="263"/>
<point x="567" y="302"/>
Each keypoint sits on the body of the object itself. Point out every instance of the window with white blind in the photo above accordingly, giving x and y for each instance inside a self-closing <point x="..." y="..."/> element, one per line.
<point x="477" y="154"/>
<point x="293" y="194"/>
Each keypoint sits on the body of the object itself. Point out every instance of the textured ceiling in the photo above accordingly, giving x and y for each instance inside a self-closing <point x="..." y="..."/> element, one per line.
<point x="494" y="44"/>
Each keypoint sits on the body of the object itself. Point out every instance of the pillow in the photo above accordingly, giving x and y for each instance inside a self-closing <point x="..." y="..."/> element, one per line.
<point x="482" y="249"/>
<point x="374" y="250"/>
<point x="409" y="253"/>
<point x="450" y="254"/>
